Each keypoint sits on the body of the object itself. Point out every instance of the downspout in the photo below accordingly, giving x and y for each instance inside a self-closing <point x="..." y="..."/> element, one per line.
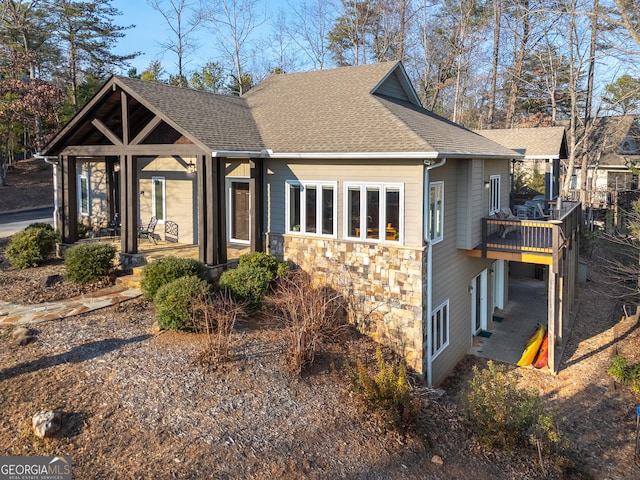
<point x="427" y="239"/>
<point x="51" y="160"/>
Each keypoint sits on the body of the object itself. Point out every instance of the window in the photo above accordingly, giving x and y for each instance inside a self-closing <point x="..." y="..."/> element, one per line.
<point x="436" y="211"/>
<point x="83" y="194"/>
<point x="494" y="194"/>
<point x="439" y="329"/>
<point x="373" y="212"/>
<point x="158" y="198"/>
<point x="311" y="208"/>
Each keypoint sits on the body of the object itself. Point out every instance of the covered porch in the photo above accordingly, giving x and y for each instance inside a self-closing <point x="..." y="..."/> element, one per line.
<point x="131" y="154"/>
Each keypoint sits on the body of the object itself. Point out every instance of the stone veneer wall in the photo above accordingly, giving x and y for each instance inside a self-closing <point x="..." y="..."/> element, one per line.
<point x="382" y="283"/>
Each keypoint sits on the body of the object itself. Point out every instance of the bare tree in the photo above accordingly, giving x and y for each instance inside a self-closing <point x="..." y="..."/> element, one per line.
<point x="495" y="57"/>
<point x="235" y="22"/>
<point x="182" y="43"/>
<point x="312" y="20"/>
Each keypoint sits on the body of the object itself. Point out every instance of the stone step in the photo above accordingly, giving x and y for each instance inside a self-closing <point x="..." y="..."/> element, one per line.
<point x="129" y="281"/>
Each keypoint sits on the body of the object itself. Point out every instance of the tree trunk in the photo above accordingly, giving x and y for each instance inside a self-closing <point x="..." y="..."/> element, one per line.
<point x="518" y="65"/>
<point x="497" y="14"/>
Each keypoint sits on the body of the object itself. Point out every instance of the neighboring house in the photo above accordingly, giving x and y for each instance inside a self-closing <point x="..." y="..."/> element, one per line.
<point x="341" y="172"/>
<point x="543" y="148"/>
<point x="613" y="146"/>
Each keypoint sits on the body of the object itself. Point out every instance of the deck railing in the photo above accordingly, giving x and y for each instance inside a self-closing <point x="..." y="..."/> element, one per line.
<point x="542" y="237"/>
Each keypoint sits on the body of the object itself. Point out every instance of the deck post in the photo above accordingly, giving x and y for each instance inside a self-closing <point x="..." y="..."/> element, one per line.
<point x="551" y="317"/>
<point x="221" y="209"/>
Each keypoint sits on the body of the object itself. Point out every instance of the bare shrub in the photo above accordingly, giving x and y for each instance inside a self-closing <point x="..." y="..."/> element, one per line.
<point x="216" y="315"/>
<point x="312" y="313"/>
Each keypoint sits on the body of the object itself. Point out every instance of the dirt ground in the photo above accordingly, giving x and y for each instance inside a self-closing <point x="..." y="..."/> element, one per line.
<point x="29" y="184"/>
<point x="138" y="403"/>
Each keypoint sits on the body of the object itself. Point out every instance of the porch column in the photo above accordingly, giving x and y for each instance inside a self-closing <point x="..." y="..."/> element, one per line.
<point x="221" y="210"/>
<point x="207" y="211"/>
<point x="128" y="204"/>
<point x="111" y="186"/>
<point x="256" y="182"/>
<point x="69" y="203"/>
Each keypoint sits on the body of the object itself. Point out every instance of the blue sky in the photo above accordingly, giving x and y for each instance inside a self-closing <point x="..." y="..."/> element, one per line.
<point x="151" y="29"/>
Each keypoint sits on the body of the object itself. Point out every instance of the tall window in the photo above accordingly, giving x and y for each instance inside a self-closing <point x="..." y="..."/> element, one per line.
<point x="439" y="329"/>
<point x="373" y="211"/>
<point x="83" y="194"/>
<point x="436" y="211"/>
<point x="494" y="194"/>
<point x="311" y="208"/>
<point x="158" y="206"/>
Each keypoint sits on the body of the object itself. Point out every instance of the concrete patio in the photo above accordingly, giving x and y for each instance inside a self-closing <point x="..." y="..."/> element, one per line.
<point x="527" y="307"/>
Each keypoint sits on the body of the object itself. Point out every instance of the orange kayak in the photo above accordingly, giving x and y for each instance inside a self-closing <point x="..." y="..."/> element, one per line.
<point x="532" y="347"/>
<point x="543" y="354"/>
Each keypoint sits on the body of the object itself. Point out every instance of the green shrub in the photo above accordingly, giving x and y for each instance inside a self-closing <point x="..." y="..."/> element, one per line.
<point x="167" y="269"/>
<point x="624" y="373"/>
<point x="83" y="230"/>
<point x="88" y="262"/>
<point x="388" y="391"/>
<point x="32" y="246"/>
<point x="175" y="301"/>
<point x="502" y="415"/>
<point x="250" y="281"/>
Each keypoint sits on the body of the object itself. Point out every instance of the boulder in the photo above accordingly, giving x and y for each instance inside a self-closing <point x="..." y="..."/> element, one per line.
<point x="21" y="335"/>
<point x="46" y="423"/>
<point x="437" y="459"/>
<point x="51" y="280"/>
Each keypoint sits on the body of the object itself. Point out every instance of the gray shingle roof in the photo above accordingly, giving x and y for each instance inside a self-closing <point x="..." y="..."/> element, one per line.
<point x="365" y="111"/>
<point x="221" y="122"/>
<point x="334" y="111"/>
<point x="534" y="143"/>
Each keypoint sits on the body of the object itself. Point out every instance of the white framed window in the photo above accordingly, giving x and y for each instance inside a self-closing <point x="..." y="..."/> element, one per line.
<point x="440" y="329"/>
<point x="374" y="211"/>
<point x="83" y="195"/>
<point x="494" y="194"/>
<point x="436" y="211"/>
<point x="158" y="198"/>
<point x="311" y="208"/>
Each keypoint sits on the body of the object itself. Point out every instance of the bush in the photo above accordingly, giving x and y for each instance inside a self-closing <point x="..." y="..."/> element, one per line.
<point x="167" y="269"/>
<point x="216" y="316"/>
<point x="629" y="374"/>
<point x="388" y="391"/>
<point x="175" y="300"/>
<point x="313" y="315"/>
<point x="503" y="415"/>
<point x="32" y="246"/>
<point x="89" y="262"/>
<point x="250" y="281"/>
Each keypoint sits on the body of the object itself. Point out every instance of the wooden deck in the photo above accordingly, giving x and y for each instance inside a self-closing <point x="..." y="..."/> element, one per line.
<point x="529" y="241"/>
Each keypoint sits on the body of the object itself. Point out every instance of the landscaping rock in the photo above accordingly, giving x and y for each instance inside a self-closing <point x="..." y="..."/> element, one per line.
<point x="51" y="280"/>
<point x="46" y="423"/>
<point x="437" y="459"/>
<point x="21" y="335"/>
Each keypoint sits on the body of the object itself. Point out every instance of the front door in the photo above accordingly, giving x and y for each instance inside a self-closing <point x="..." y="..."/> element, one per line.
<point x="239" y="215"/>
<point x="479" y="303"/>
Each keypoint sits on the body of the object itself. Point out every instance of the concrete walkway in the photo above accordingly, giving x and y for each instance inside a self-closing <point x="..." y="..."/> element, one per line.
<point x="12" y="314"/>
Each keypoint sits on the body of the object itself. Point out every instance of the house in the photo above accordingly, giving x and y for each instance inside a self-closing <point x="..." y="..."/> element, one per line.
<point x="613" y="149"/>
<point x="341" y="172"/>
<point x="543" y="149"/>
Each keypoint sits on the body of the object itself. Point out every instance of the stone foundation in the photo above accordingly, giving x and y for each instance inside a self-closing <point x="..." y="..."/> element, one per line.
<point x="383" y="285"/>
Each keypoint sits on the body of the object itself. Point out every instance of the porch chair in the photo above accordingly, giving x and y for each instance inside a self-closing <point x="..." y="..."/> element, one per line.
<point x="112" y="228"/>
<point x="506" y="214"/>
<point x="149" y="230"/>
